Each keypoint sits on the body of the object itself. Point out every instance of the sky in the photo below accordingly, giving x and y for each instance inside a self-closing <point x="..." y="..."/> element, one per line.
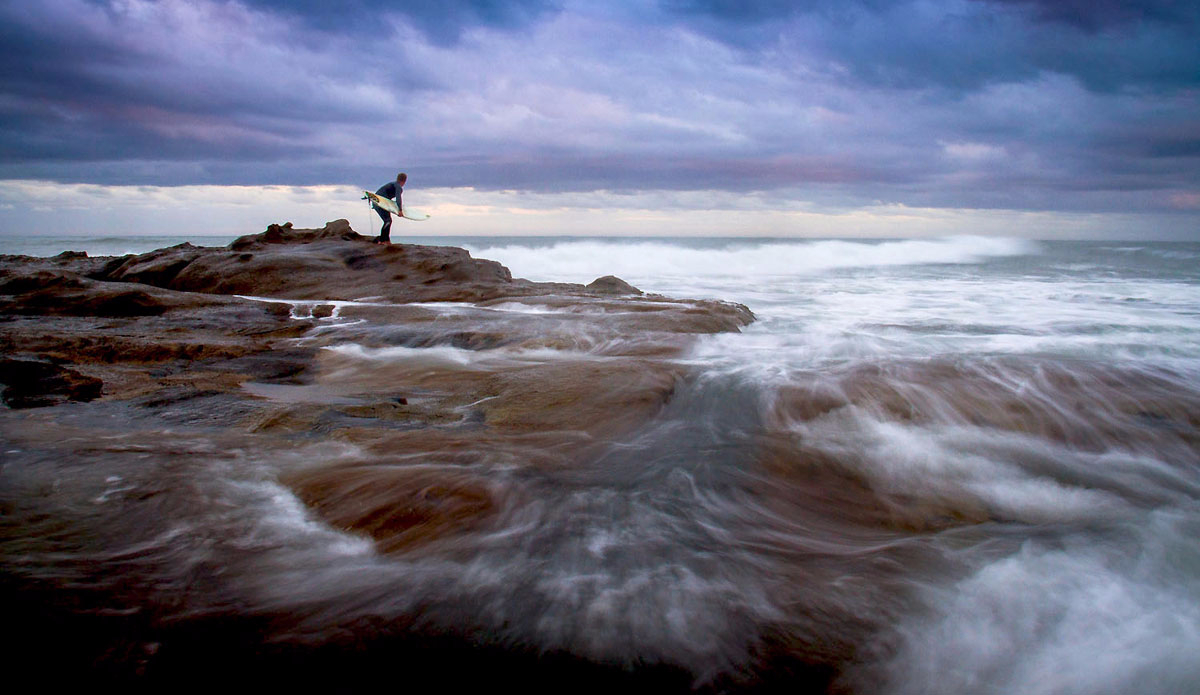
<point x="1042" y="118"/>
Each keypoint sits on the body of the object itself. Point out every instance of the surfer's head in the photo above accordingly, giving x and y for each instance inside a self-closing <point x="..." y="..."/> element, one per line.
<point x="401" y="178"/>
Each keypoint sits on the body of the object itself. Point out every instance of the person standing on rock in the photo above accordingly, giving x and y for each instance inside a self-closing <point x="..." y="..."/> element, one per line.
<point x="393" y="190"/>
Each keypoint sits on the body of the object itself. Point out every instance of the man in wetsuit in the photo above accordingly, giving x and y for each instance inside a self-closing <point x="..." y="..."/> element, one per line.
<point x="393" y="190"/>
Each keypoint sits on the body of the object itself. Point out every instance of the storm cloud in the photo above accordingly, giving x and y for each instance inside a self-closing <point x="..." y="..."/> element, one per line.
<point x="1023" y="105"/>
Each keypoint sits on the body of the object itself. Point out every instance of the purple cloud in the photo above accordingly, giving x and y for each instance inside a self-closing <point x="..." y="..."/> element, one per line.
<point x="1017" y="104"/>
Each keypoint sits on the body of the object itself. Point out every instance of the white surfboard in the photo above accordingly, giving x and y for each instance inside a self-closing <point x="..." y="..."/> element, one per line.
<point x="390" y="205"/>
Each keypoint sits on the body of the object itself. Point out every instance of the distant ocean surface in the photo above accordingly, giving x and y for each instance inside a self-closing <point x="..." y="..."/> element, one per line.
<point x="45" y="245"/>
<point x="1028" y="413"/>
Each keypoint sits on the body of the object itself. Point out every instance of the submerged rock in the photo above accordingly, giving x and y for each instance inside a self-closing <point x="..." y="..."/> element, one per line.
<point x="400" y="508"/>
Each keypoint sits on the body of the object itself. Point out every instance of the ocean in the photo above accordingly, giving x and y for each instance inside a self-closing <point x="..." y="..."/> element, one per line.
<point x="972" y="463"/>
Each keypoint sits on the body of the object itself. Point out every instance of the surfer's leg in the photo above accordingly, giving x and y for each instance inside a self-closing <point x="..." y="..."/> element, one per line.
<point x="385" y="234"/>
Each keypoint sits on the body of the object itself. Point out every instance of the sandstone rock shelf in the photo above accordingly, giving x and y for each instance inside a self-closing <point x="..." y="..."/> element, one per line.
<point x="403" y="350"/>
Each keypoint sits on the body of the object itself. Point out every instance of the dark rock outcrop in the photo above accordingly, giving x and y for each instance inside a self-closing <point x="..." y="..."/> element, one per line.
<point x="316" y="264"/>
<point x="65" y="293"/>
<point x="611" y="284"/>
<point x="333" y="263"/>
<point x="33" y="384"/>
<point x="544" y="373"/>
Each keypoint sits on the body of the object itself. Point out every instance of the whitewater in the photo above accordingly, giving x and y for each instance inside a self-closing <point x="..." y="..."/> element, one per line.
<point x="1050" y="390"/>
<point x="954" y="465"/>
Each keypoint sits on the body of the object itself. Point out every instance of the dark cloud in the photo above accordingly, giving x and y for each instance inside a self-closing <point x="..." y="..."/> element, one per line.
<point x="441" y="20"/>
<point x="82" y="87"/>
<point x="1095" y="15"/>
<point x="738" y="12"/>
<point x="909" y="44"/>
<point x="99" y="67"/>
<point x="1092" y="15"/>
<point x="988" y="103"/>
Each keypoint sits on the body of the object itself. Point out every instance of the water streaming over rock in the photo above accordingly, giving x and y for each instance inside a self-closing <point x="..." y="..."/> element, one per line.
<point x="957" y="465"/>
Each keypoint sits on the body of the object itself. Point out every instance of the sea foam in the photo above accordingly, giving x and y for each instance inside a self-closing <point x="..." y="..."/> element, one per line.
<point x="650" y="260"/>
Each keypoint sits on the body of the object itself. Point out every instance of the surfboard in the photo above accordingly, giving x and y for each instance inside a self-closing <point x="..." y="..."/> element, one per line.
<point x="390" y="205"/>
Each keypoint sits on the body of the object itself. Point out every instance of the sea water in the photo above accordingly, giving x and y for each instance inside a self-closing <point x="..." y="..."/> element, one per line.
<point x="976" y="468"/>
<point x="1090" y="582"/>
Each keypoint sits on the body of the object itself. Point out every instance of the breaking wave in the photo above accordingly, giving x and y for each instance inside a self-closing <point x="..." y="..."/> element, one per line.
<point x="648" y="260"/>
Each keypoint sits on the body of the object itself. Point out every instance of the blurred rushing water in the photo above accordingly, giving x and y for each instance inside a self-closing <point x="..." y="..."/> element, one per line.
<point x="935" y="466"/>
<point x="1049" y="390"/>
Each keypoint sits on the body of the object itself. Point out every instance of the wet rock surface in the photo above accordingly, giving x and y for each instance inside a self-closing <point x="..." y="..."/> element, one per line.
<point x="406" y="397"/>
<point x="309" y="462"/>
<point x="239" y="311"/>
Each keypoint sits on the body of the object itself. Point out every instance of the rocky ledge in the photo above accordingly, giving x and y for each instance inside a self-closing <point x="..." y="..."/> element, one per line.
<point x="317" y="334"/>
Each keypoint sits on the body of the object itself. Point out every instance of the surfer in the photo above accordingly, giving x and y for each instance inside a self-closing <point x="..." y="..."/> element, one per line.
<point x="393" y="190"/>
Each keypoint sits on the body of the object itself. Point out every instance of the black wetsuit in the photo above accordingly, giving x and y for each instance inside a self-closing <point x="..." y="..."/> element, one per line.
<point x="388" y="190"/>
